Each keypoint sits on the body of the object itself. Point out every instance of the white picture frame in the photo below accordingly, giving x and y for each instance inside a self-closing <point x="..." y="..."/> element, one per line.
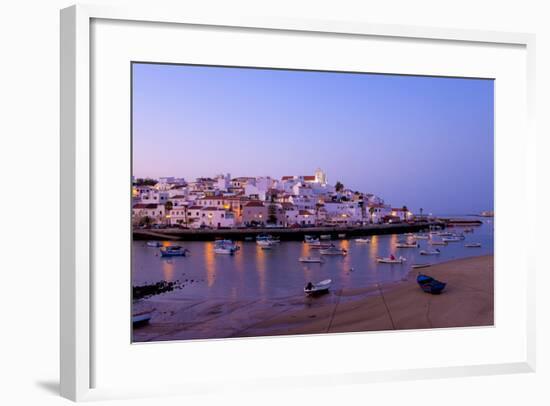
<point x="77" y="282"/>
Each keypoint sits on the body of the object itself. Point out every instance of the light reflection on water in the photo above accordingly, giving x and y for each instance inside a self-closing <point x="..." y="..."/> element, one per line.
<point x="254" y="273"/>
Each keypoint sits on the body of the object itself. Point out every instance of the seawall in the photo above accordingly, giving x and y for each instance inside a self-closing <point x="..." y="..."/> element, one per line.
<point x="285" y="234"/>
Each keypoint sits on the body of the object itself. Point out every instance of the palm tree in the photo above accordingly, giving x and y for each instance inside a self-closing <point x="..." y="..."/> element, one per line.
<point x="405" y="211"/>
<point x="339" y="186"/>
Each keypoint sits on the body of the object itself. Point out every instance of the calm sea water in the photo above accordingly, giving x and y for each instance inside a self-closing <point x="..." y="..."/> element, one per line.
<point x="253" y="273"/>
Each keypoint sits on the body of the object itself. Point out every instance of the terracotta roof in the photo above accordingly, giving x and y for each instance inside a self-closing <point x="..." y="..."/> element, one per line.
<point x="213" y="209"/>
<point x="399" y="209"/>
<point x="287" y="205"/>
<point x="194" y="208"/>
<point x="287" y="177"/>
<point x="146" y="206"/>
<point x="254" y="204"/>
<point x="178" y="197"/>
<point x="242" y="178"/>
<point x="311" y="178"/>
<point x="305" y="213"/>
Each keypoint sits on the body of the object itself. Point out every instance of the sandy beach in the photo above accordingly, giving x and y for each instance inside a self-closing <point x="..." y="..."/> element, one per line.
<point x="468" y="300"/>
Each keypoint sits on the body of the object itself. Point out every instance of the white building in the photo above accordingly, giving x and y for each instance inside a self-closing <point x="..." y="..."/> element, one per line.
<point x="194" y="215"/>
<point x="178" y="215"/>
<point x="300" y="217"/>
<point x="404" y="214"/>
<point x="223" y="182"/>
<point x="214" y="217"/>
<point x="147" y="194"/>
<point x="300" y="189"/>
<point x="343" y="212"/>
<point x="377" y="212"/>
<point x="143" y="213"/>
<point x="179" y="200"/>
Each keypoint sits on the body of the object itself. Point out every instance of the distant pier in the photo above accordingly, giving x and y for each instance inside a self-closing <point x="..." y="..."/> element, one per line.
<point x="285" y="234"/>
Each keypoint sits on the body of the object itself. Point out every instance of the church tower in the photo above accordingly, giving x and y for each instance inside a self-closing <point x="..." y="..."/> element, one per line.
<point x="320" y="176"/>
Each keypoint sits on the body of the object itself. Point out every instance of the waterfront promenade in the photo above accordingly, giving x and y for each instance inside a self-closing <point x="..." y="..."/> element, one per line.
<point x="286" y="234"/>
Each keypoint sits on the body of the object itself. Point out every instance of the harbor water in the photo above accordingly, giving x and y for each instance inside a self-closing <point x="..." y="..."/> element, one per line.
<point x="254" y="273"/>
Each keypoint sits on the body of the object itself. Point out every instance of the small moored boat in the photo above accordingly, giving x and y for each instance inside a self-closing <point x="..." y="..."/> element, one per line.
<point x="473" y="245"/>
<point x="362" y="240"/>
<point x="421" y="236"/>
<point x="316" y="245"/>
<point x="317" y="288"/>
<point x="416" y="266"/>
<point x="407" y="245"/>
<point x="429" y="284"/>
<point x="310" y="239"/>
<point x="451" y="239"/>
<point x="391" y="260"/>
<point x="325" y="237"/>
<point x="173" y="251"/>
<point x="141" y="318"/>
<point x="226" y="247"/>
<point x="332" y="250"/>
<point x="265" y="244"/>
<point x="154" y="244"/>
<point x="430" y="252"/>
<point x="226" y="250"/>
<point x="266" y="237"/>
<point x="438" y="242"/>
<point x="311" y="259"/>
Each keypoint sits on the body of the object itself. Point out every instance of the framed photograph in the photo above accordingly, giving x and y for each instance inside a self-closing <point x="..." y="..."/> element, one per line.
<point x="300" y="202"/>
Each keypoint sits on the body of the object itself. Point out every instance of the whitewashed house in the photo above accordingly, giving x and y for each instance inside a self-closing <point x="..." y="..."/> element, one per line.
<point x="223" y="182"/>
<point x="376" y="212"/>
<point x="143" y="213"/>
<point x="343" y="213"/>
<point x="403" y="213"/>
<point x="300" y="217"/>
<point x="214" y="217"/>
<point x="179" y="200"/>
<point x="178" y="216"/>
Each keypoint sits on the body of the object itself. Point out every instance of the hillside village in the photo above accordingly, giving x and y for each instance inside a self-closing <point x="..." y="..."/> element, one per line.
<point x="224" y="202"/>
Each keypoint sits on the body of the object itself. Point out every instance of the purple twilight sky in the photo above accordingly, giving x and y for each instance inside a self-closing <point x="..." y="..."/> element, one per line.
<point x="416" y="141"/>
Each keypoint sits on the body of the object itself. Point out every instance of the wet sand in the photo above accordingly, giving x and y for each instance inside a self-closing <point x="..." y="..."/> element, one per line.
<point x="468" y="300"/>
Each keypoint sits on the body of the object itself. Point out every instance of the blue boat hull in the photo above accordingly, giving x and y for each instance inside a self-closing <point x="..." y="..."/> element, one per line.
<point x="430" y="285"/>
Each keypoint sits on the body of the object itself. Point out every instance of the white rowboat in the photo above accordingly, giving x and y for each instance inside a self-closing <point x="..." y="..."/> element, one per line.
<point x="312" y="260"/>
<point x="333" y="251"/>
<point x="437" y="242"/>
<point x="362" y="240"/>
<point x="319" y="287"/>
<point x="389" y="260"/>
<point x="407" y="245"/>
<point x="430" y="252"/>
